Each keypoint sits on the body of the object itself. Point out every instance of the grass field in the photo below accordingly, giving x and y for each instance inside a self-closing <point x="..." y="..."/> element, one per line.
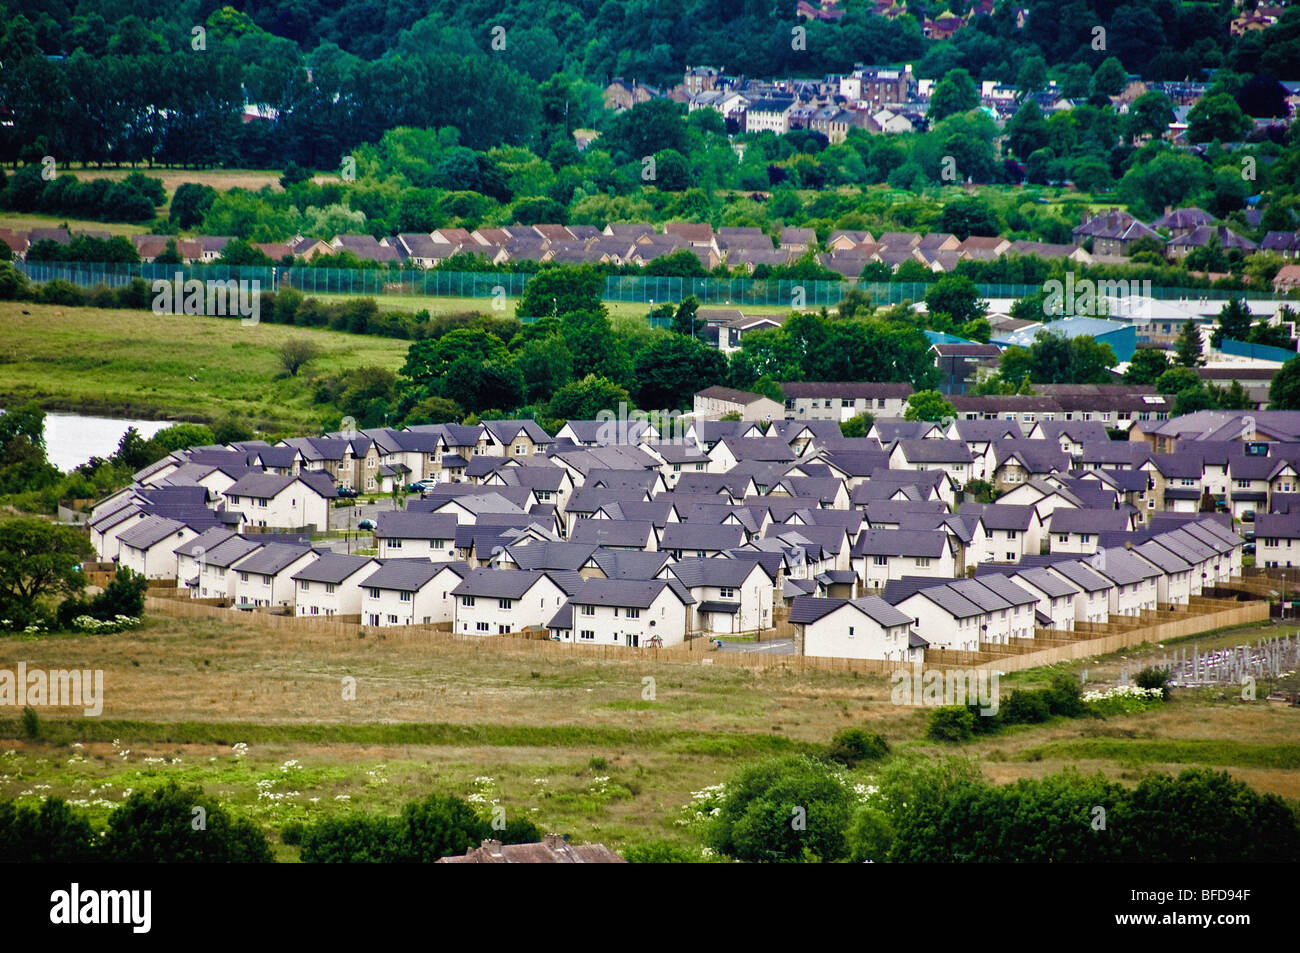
<point x="570" y="742"/>
<point x="184" y="367"/>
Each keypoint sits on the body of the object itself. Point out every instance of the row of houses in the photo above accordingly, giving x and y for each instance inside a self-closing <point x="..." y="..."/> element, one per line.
<point x="1119" y="406"/>
<point x="623" y="538"/>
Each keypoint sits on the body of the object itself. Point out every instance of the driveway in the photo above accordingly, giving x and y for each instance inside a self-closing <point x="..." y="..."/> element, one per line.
<point x="771" y="647"/>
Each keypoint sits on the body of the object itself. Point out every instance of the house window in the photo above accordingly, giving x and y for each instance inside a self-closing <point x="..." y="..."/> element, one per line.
<point x="922" y="562"/>
<point x="726" y="593"/>
<point x="243" y="577"/>
<point x="392" y="620"/>
<point x="330" y="587"/>
<point x="634" y="613"/>
<point x="481" y="626"/>
<point x="467" y="601"/>
<point x="1085" y="538"/>
<point x="304" y="585"/>
<point x="1011" y="534"/>
<point x="405" y="596"/>
<point x="587" y="635"/>
<point x="588" y="610"/>
<point x="1063" y="537"/>
<point x="505" y="603"/>
<point x="520" y="449"/>
<point x="988" y="534"/>
<point x="882" y="560"/>
<point x="394" y="544"/>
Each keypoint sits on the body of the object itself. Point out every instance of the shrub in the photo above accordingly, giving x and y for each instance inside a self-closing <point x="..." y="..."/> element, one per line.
<point x="54" y="834"/>
<point x="789" y="809"/>
<point x="1154" y="678"/>
<point x="1064" y="696"/>
<point x="1026" y="708"/>
<point x="31" y="722"/>
<point x="951" y="723"/>
<point x="181" y="825"/>
<point x="292" y="833"/>
<point x="59" y="291"/>
<point x="658" y="852"/>
<point x="852" y="746"/>
<point x="355" y="839"/>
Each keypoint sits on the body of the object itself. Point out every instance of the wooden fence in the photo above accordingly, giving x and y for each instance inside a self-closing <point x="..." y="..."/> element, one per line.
<point x="1049" y="647"/>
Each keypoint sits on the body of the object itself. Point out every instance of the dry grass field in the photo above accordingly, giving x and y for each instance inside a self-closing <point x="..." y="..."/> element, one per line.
<point x="572" y="742"/>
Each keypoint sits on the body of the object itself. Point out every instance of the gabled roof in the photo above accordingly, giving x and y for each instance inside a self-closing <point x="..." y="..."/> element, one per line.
<point x="333" y="568"/>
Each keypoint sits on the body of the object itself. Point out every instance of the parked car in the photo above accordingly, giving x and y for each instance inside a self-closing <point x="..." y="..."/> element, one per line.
<point x="366" y="524"/>
<point x="345" y="492"/>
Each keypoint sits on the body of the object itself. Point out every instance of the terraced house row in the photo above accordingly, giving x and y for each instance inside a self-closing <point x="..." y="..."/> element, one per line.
<point x="870" y="547"/>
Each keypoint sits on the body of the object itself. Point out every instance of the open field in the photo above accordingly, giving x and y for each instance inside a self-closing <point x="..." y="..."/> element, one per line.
<point x="219" y="179"/>
<point x="128" y="363"/>
<point x="534" y="732"/>
<point x="20" y="222"/>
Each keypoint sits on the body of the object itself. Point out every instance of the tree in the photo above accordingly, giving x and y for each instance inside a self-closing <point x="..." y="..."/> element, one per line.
<point x="181" y="825"/>
<point x="673" y="368"/>
<point x="1032" y="75"/>
<point x="38" y="561"/>
<point x="1110" y="78"/>
<point x="928" y="405"/>
<point x="1234" y="320"/>
<point x="1284" y="392"/>
<point x="561" y="290"/>
<point x="231" y="429"/>
<point x="857" y="425"/>
<point x="957" y="297"/>
<point x="1216" y="117"/>
<point x="50" y="834"/>
<point x="1027" y="130"/>
<point x="585" y="399"/>
<point x="684" y="320"/>
<point x="1146" y="365"/>
<point x="966" y="217"/>
<point x="547" y="365"/>
<point x="296" y="352"/>
<point x="955" y="93"/>
<point x="1149" y="115"/>
<point x="1187" y="349"/>
<point x="1177" y="379"/>
<point x="792" y="809"/>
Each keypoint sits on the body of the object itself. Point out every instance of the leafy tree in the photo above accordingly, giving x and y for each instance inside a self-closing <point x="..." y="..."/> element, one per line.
<point x="1216" y="117"/>
<point x="1284" y="391"/>
<point x="1149" y="115"/>
<point x="792" y="809"/>
<point x="182" y="437"/>
<point x="1187" y="348"/>
<point x="1233" y="322"/>
<point x="857" y="425"/>
<point x="561" y="290"/>
<point x="1110" y="78"/>
<point x="50" y="834"/>
<point x="673" y="368"/>
<point x="1027" y="130"/>
<point x="124" y="595"/>
<point x="231" y="429"/>
<point x="966" y="217"/>
<point x="585" y="399"/>
<point x="181" y="825"/>
<point x="296" y="352"/>
<point x="928" y="405"/>
<point x="957" y="297"/>
<point x="1177" y="379"/>
<point x="955" y="93"/>
<point x="38" y="560"/>
<point x="547" y="365"/>
<point x="1146" y="365"/>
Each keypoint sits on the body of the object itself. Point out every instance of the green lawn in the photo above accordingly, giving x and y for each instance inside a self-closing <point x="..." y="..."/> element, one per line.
<point x="184" y="367"/>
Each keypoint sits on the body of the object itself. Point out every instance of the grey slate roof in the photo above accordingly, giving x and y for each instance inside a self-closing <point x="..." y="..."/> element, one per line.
<point x="333" y="568"/>
<point x="272" y="558"/>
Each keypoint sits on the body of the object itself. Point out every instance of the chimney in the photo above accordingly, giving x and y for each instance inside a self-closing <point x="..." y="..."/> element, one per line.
<point x="1169" y="209"/>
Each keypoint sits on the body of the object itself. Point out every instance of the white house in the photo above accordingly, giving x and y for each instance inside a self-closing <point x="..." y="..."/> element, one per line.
<point x="945" y="619"/>
<point x="730" y="595"/>
<point x="1134" y="578"/>
<point x="880" y="555"/>
<point x="331" y="586"/>
<point x="402" y="534"/>
<point x="501" y="601"/>
<point x="148" y="547"/>
<point x="203" y="564"/>
<point x="632" y="612"/>
<point x="1055" y="596"/>
<point x="411" y="591"/>
<point x="282" y="502"/>
<point x="1092" y="604"/>
<point x="868" y="628"/>
<point x="265" y="577"/>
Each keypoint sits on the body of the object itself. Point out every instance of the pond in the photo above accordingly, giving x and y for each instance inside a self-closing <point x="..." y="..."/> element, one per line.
<point x="72" y="439"/>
